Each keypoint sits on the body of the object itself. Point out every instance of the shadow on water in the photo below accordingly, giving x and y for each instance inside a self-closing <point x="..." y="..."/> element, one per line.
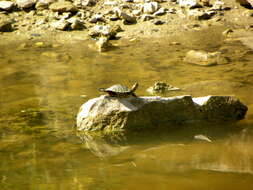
<point x="110" y="144"/>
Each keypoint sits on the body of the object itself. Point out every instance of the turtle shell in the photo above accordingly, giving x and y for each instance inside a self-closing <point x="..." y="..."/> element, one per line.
<point x="118" y="88"/>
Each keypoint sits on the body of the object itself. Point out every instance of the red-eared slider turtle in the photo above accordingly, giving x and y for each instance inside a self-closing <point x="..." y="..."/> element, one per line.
<point x="119" y="90"/>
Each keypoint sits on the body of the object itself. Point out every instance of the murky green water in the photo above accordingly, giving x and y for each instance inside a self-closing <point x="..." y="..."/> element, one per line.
<point x="41" y="92"/>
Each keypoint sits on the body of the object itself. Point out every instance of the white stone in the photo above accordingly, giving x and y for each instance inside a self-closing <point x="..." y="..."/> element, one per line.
<point x="25" y="3"/>
<point x="150" y="7"/>
<point x="188" y="3"/>
<point x="6" y="5"/>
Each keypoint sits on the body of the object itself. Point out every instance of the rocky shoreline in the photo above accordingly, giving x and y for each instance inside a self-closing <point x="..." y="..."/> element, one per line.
<point x="125" y="19"/>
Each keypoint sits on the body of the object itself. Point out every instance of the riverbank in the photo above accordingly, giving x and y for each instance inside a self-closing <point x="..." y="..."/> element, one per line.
<point x="67" y="23"/>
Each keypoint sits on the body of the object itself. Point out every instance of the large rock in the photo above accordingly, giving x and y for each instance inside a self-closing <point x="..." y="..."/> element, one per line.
<point x="112" y="114"/>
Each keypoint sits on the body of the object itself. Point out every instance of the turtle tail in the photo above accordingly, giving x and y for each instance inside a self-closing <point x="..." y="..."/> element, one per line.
<point x="134" y="87"/>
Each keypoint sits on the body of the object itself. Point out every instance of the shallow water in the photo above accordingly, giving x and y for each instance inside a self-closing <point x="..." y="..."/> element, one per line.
<point x="43" y="88"/>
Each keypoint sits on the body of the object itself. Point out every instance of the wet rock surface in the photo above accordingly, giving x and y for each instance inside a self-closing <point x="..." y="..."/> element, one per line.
<point x="203" y="58"/>
<point x="126" y="114"/>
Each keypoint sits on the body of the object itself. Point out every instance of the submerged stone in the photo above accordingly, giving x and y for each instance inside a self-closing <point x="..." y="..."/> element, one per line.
<point x="111" y="114"/>
<point x="205" y="58"/>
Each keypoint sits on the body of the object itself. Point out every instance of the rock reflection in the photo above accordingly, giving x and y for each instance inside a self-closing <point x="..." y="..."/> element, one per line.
<point x="102" y="147"/>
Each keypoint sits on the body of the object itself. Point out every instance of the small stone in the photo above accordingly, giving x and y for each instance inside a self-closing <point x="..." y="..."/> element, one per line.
<point x="43" y="4"/>
<point x="111" y="3"/>
<point x="158" y="22"/>
<point x="96" y="18"/>
<point x="84" y="3"/>
<point x="137" y="12"/>
<point x="6" y="5"/>
<point x="160" y="12"/>
<point x="172" y="10"/>
<point x="103" y="44"/>
<point x="227" y="32"/>
<point x="75" y="24"/>
<point x="247" y="3"/>
<point x="24" y="4"/>
<point x="128" y="19"/>
<point x="146" y="17"/>
<point x="189" y="3"/>
<point x="6" y="26"/>
<point x="205" y="3"/>
<point x="219" y="6"/>
<point x="117" y="11"/>
<point x="161" y="88"/>
<point x="200" y="14"/>
<point x="63" y="6"/>
<point x="205" y="58"/>
<point x="150" y="7"/>
<point x="61" y="24"/>
<point x="114" y="18"/>
<point x="100" y="30"/>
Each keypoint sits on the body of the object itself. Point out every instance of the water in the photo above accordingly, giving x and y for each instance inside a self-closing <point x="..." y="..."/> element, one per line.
<point x="41" y="92"/>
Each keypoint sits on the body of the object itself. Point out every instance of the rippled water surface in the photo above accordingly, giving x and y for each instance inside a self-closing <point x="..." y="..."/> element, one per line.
<point x="43" y="88"/>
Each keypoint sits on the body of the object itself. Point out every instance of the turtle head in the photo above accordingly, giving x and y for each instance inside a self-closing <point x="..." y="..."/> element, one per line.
<point x="134" y="87"/>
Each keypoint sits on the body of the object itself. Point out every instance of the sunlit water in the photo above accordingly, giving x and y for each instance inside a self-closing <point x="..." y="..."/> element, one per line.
<point x="43" y="88"/>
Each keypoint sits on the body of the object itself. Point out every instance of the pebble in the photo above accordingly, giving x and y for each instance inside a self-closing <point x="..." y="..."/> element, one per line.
<point x="160" y="12"/>
<point x="203" y="58"/>
<point x="158" y="22"/>
<point x="150" y="7"/>
<point x="6" y="5"/>
<point x="146" y="17"/>
<point x="128" y="19"/>
<point x="24" y="4"/>
<point x="61" y="24"/>
<point x="63" y="6"/>
<point x="6" y="26"/>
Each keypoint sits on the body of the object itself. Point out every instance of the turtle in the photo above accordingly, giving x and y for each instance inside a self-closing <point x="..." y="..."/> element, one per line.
<point x="119" y="90"/>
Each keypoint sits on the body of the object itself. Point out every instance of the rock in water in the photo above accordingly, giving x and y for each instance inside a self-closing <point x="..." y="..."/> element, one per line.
<point x="161" y="87"/>
<point x="205" y="58"/>
<point x="112" y="114"/>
